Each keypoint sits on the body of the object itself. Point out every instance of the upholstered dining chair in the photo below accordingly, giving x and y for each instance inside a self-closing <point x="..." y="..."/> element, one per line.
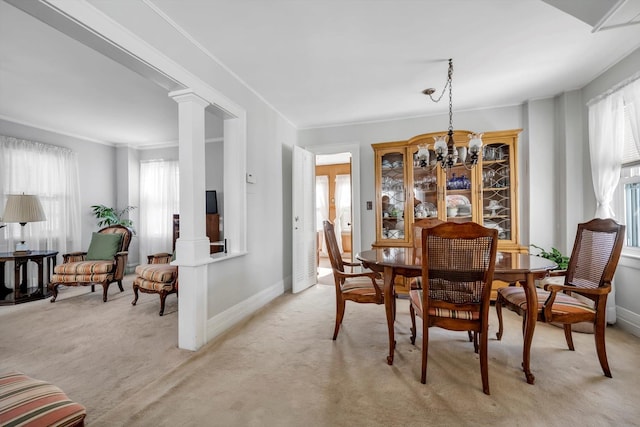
<point x="360" y="287"/>
<point x="102" y="264"/>
<point x="458" y="261"/>
<point x="587" y="282"/>
<point x="156" y="277"/>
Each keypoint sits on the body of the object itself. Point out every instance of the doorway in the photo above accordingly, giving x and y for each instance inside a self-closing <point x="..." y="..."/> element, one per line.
<point x="334" y="202"/>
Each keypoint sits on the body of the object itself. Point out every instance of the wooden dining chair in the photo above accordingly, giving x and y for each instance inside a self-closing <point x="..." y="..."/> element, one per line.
<point x="458" y="261"/>
<point x="360" y="287"/>
<point x="593" y="262"/>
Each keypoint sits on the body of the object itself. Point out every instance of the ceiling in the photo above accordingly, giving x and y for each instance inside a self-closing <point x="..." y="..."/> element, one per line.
<point x="318" y="62"/>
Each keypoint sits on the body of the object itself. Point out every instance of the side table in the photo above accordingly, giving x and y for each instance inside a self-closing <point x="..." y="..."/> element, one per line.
<point x="22" y="291"/>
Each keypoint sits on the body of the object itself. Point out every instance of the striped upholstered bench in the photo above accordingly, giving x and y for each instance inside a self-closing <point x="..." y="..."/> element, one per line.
<point x="28" y="402"/>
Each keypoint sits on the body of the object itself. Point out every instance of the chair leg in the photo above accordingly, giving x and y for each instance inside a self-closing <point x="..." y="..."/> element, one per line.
<point x="600" y="327"/>
<point x="120" y="285"/>
<point x="339" y="316"/>
<point x="53" y="287"/>
<point x="163" y="296"/>
<point x="567" y="336"/>
<point x="475" y="341"/>
<point x="499" y="313"/>
<point x="135" y="294"/>
<point x="93" y="288"/>
<point x="425" y="349"/>
<point x="413" y="324"/>
<point x="484" y="366"/>
<point x="105" y="288"/>
<point x="470" y="336"/>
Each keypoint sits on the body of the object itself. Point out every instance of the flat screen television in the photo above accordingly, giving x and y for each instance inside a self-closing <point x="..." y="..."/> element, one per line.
<point x="212" y="202"/>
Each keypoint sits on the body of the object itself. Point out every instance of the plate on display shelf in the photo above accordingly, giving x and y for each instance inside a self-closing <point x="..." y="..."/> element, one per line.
<point x="425" y="210"/>
<point x="457" y="200"/>
<point x="491" y="224"/>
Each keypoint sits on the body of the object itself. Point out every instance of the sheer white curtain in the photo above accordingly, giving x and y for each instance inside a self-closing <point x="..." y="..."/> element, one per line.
<point x="606" y="148"/>
<point x="159" y="200"/>
<point x="322" y="207"/>
<point x="631" y="95"/>
<point x="51" y="173"/>
<point x="343" y="206"/>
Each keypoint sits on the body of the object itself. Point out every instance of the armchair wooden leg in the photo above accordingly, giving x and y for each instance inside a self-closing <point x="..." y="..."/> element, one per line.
<point x="425" y="350"/>
<point x="567" y="336"/>
<point x="413" y="324"/>
<point x="163" y="296"/>
<point x="120" y="285"/>
<point x="600" y="347"/>
<point x="53" y="287"/>
<point x="499" y="313"/>
<point x="475" y="341"/>
<point x="105" y="288"/>
<point x="135" y="295"/>
<point x="484" y="366"/>
<point x="339" y="316"/>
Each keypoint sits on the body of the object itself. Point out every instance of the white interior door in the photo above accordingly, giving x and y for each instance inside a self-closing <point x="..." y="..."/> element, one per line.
<point x="304" y="221"/>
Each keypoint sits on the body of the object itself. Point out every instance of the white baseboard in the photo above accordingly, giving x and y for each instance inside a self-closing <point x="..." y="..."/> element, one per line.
<point x="222" y="322"/>
<point x="628" y="321"/>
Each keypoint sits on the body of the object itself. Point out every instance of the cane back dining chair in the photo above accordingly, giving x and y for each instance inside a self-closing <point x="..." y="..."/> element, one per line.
<point x="592" y="264"/>
<point x="102" y="264"/>
<point x="360" y="287"/>
<point x="418" y="226"/>
<point x="458" y="261"/>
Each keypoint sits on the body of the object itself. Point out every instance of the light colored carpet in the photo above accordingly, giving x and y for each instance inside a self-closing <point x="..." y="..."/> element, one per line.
<point x="281" y="368"/>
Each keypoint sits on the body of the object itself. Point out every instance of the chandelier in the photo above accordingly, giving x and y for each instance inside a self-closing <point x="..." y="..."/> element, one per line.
<point x="447" y="154"/>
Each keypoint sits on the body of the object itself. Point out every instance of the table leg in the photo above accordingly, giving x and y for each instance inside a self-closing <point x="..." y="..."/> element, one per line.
<point x="39" y="263"/>
<point x="530" y="325"/>
<point x="3" y="289"/>
<point x="389" y="302"/>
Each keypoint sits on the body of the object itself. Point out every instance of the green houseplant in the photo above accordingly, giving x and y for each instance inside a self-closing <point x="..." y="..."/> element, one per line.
<point x="107" y="216"/>
<point x="555" y="256"/>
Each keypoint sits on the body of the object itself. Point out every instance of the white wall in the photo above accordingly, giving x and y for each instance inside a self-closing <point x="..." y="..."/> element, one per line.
<point x="397" y="130"/>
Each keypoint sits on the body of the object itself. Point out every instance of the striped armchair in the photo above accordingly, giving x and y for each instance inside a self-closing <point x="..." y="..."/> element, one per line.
<point x="156" y="277"/>
<point x="102" y="264"/>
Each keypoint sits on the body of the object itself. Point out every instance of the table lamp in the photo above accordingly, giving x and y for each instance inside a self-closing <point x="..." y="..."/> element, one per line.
<point x="23" y="208"/>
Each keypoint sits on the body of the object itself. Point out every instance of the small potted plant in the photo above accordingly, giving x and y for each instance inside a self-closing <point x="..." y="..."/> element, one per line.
<point x="555" y="256"/>
<point x="111" y="216"/>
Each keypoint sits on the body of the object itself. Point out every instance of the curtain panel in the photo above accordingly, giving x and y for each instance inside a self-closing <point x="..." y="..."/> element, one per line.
<point x="51" y="173"/>
<point x="606" y="139"/>
<point x="159" y="201"/>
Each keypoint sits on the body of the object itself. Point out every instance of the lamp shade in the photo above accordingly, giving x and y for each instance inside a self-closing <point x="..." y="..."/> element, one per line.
<point x="23" y="208"/>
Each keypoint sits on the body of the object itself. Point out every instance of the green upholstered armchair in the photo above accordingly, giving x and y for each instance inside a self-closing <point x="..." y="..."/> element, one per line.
<point x="102" y="264"/>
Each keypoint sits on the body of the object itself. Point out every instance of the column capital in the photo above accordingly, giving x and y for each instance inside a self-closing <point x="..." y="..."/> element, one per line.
<point x="188" y="95"/>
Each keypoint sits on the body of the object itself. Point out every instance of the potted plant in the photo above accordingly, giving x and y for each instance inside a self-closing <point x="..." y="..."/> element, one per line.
<point x="111" y="216"/>
<point x="555" y="256"/>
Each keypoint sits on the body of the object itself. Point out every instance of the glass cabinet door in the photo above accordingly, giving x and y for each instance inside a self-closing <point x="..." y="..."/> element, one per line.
<point x="497" y="195"/>
<point x="425" y="186"/>
<point x="459" y="200"/>
<point x="393" y="196"/>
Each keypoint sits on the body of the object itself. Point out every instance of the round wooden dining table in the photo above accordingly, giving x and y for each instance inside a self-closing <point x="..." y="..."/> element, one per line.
<point x="510" y="267"/>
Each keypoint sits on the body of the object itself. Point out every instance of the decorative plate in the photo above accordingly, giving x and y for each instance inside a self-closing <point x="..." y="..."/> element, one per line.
<point x="457" y="200"/>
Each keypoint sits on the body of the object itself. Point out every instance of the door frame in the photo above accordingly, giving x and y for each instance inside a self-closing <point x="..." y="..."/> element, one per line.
<point x="356" y="219"/>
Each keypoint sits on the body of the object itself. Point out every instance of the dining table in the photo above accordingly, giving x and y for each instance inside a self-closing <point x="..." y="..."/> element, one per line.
<point x="512" y="268"/>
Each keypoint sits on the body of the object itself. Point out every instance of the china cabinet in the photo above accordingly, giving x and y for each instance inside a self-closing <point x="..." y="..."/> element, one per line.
<point x="410" y="187"/>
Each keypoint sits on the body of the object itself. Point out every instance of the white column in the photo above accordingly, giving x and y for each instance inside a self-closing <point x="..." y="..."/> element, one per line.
<point x="192" y="247"/>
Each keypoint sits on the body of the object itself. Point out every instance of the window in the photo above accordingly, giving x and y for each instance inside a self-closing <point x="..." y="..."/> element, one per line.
<point x="159" y="200"/>
<point x="51" y="173"/>
<point x="629" y="188"/>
